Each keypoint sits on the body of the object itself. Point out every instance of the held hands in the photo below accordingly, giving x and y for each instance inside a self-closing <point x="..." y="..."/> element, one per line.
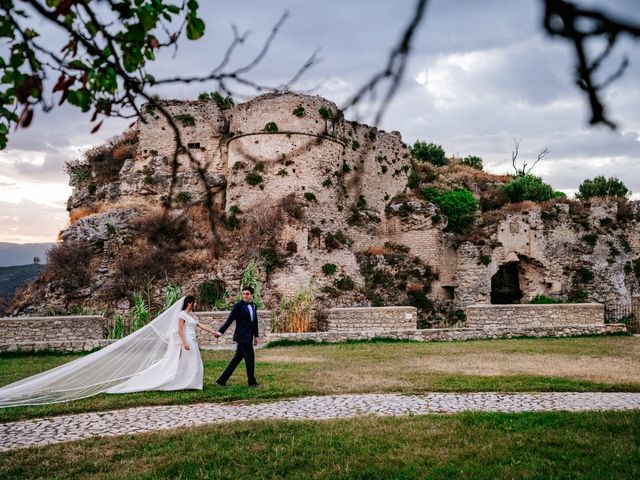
<point x="255" y="341"/>
<point x="216" y="334"/>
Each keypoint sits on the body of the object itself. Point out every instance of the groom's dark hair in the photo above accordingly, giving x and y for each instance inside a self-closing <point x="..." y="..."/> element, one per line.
<point x="249" y="289"/>
<point x="187" y="300"/>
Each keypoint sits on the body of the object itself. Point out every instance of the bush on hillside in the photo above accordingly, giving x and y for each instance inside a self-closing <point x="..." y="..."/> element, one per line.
<point x="459" y="206"/>
<point x="428" y="152"/>
<point x="527" y="187"/>
<point x="602" y="187"/>
<point x="473" y="162"/>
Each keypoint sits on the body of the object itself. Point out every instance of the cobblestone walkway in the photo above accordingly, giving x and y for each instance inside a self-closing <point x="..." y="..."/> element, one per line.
<point x="147" y="419"/>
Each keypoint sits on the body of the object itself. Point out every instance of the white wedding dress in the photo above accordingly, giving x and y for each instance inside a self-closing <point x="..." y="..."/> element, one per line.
<point x="151" y="358"/>
<point x="181" y="369"/>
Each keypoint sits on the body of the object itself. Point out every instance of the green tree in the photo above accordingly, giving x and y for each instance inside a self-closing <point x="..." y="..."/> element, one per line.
<point x="602" y="187"/>
<point x="460" y="207"/>
<point x="428" y="152"/>
<point x="103" y="65"/>
<point x="527" y="187"/>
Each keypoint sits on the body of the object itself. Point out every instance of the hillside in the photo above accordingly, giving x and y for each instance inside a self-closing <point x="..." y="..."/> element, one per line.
<point x="22" y="253"/>
<point x="15" y="277"/>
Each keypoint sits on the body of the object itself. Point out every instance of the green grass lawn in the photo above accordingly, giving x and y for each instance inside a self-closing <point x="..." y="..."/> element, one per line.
<point x="571" y="364"/>
<point x="466" y="446"/>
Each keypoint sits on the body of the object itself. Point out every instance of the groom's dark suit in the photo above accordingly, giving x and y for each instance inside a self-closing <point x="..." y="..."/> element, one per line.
<point x="246" y="317"/>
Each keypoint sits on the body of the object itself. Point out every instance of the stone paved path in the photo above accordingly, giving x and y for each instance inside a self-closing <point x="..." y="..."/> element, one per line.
<point x="146" y="419"/>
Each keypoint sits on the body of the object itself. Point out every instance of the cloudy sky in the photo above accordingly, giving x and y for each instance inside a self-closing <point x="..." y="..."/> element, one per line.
<point x="481" y="75"/>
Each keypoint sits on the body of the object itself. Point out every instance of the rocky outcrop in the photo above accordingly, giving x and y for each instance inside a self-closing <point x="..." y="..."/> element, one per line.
<point x="323" y="203"/>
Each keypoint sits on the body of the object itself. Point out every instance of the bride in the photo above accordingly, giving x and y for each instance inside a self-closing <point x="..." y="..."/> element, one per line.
<point x="162" y="355"/>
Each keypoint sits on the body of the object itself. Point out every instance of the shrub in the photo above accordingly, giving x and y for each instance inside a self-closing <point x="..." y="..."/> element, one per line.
<point x="636" y="268"/>
<point x="221" y="101"/>
<point x="527" y="187"/>
<point x="271" y="127"/>
<point x="436" y="218"/>
<point x="485" y="260"/>
<point x="413" y="181"/>
<point x="163" y="230"/>
<point x="344" y="283"/>
<point x="291" y="247"/>
<point x="585" y="275"/>
<point x="355" y="145"/>
<point x="186" y="119"/>
<point x="292" y="207"/>
<point x="473" y="162"/>
<point x="327" y="183"/>
<point x="590" y="238"/>
<point x="282" y="172"/>
<point x="299" y="111"/>
<point x="91" y="188"/>
<point x="231" y="220"/>
<point x="428" y="152"/>
<point x="329" y="268"/>
<point x="211" y="292"/>
<point x="459" y="206"/>
<point x="106" y="160"/>
<point x="68" y="263"/>
<point x="336" y="240"/>
<point x="346" y="168"/>
<point x="310" y="197"/>
<point x="139" y="266"/>
<point x="602" y="187"/>
<point x="253" y="178"/>
<point x="271" y="259"/>
<point x="325" y="113"/>
<point x="430" y="193"/>
<point x="183" y="197"/>
<point x="544" y="300"/>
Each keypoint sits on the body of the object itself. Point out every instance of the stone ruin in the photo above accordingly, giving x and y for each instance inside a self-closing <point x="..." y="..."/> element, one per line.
<point x="319" y="202"/>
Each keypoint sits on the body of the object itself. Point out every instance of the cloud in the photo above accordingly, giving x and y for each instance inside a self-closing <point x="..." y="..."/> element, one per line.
<point x="30" y="222"/>
<point x="480" y="75"/>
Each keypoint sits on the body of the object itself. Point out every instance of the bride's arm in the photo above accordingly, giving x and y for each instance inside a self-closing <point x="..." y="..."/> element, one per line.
<point x="185" y="344"/>
<point x="207" y="328"/>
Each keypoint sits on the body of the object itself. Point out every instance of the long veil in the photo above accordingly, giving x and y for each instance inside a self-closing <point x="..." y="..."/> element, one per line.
<point x="105" y="369"/>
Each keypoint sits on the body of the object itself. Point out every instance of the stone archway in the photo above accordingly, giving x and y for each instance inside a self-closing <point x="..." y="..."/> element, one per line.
<point x="505" y="284"/>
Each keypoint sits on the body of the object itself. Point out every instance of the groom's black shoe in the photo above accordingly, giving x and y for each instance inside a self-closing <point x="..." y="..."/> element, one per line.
<point x="221" y="383"/>
<point x="254" y="385"/>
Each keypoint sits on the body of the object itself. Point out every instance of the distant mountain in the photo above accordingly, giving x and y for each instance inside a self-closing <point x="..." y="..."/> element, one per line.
<point x="22" y="253"/>
<point x="13" y="278"/>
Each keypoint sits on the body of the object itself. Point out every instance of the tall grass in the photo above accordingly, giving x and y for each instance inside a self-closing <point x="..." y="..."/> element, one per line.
<point x="293" y="315"/>
<point x="250" y="279"/>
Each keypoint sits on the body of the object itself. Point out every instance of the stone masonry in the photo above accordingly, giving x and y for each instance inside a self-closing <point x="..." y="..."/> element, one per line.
<point x="534" y="316"/>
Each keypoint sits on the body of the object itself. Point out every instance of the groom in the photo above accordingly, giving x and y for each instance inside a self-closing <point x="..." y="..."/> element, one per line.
<point x="245" y="314"/>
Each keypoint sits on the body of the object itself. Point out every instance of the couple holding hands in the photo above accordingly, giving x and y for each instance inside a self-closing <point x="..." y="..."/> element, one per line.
<point x="245" y="314"/>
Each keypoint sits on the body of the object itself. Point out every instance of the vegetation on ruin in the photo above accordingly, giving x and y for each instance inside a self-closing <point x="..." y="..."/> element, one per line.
<point x="459" y="206"/>
<point x="472" y="161"/>
<point x="253" y="178"/>
<point x="602" y="187"/>
<point x="299" y="111"/>
<point x="185" y="119"/>
<point x="270" y="127"/>
<point x="223" y="102"/>
<point x="527" y="187"/>
<point x="428" y="152"/>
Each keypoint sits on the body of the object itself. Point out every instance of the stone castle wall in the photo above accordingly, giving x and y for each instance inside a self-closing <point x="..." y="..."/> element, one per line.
<point x="69" y="333"/>
<point x="534" y="316"/>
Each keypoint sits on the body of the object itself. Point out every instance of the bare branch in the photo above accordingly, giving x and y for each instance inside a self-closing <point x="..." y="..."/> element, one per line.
<point x="565" y="19"/>
<point x="394" y="70"/>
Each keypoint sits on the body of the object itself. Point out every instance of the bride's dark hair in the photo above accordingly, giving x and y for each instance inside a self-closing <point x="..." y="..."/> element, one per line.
<point x="187" y="300"/>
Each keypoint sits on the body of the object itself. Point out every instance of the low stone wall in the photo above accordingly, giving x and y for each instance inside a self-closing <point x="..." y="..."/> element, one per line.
<point x="84" y="333"/>
<point x="70" y="333"/>
<point x="344" y="320"/>
<point x="451" y="334"/>
<point x="534" y="316"/>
